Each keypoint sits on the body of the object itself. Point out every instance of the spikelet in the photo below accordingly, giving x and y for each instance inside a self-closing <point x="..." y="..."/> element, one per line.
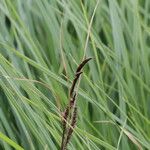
<point x="70" y="113"/>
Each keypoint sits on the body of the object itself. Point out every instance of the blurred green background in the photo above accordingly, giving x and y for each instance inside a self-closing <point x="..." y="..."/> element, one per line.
<point x="41" y="44"/>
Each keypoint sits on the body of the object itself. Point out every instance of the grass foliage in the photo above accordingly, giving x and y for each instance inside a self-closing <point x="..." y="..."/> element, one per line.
<point x="41" y="44"/>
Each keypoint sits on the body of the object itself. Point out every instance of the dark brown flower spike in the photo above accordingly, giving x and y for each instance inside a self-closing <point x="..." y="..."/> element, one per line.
<point x="70" y="113"/>
<point x="82" y="64"/>
<point x="74" y="82"/>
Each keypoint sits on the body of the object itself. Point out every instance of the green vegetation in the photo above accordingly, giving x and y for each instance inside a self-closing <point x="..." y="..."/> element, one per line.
<point x="42" y="42"/>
